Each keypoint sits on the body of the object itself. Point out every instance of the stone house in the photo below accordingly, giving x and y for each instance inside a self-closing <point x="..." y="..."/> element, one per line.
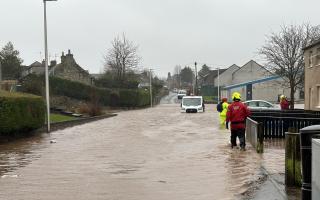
<point x="36" y="68"/>
<point x="67" y="69"/>
<point x="312" y="74"/>
<point x="70" y="70"/>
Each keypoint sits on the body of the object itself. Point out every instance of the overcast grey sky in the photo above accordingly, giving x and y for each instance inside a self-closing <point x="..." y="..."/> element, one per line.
<point x="168" y="32"/>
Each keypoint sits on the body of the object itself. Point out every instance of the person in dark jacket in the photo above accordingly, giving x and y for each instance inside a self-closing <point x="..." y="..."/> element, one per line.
<point x="236" y="115"/>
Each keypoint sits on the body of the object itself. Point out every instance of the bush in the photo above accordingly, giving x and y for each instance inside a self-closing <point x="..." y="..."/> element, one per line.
<point x="34" y="84"/>
<point x="114" y="98"/>
<point x="20" y="112"/>
<point x="134" y="98"/>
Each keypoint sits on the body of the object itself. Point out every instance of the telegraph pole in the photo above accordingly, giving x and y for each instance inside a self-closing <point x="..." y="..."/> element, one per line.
<point x="150" y="87"/>
<point x="195" y="65"/>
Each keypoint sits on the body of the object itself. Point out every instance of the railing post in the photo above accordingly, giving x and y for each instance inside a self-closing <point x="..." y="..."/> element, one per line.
<point x="292" y="160"/>
<point x="260" y="138"/>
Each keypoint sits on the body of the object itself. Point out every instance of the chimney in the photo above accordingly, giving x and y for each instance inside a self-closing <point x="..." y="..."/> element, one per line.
<point x="63" y="58"/>
<point x="69" y="55"/>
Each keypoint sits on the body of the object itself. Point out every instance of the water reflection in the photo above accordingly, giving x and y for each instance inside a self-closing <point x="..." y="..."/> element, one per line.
<point x="274" y="163"/>
<point x="20" y="153"/>
<point x="243" y="169"/>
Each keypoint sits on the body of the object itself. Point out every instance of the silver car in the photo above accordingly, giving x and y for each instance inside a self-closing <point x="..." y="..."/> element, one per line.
<point x="261" y="105"/>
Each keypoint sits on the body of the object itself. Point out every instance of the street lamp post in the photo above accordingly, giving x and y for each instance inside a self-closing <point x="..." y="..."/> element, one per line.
<point x="46" y="63"/>
<point x="195" y="65"/>
<point x="150" y="87"/>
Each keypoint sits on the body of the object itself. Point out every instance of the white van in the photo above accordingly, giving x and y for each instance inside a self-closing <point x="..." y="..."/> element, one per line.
<point x="192" y="104"/>
<point x="181" y="94"/>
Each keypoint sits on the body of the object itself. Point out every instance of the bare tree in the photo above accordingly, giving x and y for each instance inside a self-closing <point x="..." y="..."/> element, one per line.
<point x="284" y="53"/>
<point x="122" y="57"/>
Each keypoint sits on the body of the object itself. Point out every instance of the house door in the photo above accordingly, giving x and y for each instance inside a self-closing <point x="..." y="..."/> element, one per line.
<point x="249" y="92"/>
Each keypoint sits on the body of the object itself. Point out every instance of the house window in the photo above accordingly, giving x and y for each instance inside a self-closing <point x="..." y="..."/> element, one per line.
<point x="318" y="56"/>
<point x="310" y="59"/>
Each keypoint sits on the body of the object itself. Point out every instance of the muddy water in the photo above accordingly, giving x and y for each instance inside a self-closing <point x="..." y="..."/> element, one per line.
<point x="151" y="154"/>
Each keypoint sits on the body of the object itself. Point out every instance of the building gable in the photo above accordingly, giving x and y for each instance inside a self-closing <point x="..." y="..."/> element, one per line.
<point x="250" y="71"/>
<point x="225" y="78"/>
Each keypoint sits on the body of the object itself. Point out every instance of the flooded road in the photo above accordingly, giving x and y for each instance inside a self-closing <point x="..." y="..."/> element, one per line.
<point x="149" y="154"/>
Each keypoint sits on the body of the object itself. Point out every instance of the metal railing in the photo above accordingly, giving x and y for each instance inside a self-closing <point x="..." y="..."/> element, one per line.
<point x="254" y="134"/>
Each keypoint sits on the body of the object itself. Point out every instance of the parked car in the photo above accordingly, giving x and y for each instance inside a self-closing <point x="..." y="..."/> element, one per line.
<point x="261" y="105"/>
<point x="181" y="94"/>
<point x="192" y="104"/>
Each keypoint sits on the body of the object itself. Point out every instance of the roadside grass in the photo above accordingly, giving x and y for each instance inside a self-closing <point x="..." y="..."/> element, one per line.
<point x="210" y="99"/>
<point x="4" y="93"/>
<point x="60" y="118"/>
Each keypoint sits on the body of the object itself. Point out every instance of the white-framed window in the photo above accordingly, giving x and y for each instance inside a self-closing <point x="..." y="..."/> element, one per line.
<point x="310" y="59"/>
<point x="317" y="58"/>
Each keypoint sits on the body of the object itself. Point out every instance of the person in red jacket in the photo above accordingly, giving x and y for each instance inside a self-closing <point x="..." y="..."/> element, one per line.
<point x="236" y="115"/>
<point x="284" y="103"/>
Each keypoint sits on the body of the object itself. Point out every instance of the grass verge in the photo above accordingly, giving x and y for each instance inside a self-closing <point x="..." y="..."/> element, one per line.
<point x="60" y="118"/>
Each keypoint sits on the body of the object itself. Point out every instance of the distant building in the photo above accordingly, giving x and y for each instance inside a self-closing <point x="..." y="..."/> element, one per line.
<point x="70" y="70"/>
<point x="312" y="74"/>
<point x="36" y="68"/>
<point x="67" y="69"/>
<point x="208" y="79"/>
<point x="253" y="81"/>
<point x="225" y="76"/>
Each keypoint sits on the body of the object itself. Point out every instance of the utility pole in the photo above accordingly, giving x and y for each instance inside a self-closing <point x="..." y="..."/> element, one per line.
<point x="150" y="87"/>
<point x="46" y="63"/>
<point x="180" y="77"/>
<point x="195" y="65"/>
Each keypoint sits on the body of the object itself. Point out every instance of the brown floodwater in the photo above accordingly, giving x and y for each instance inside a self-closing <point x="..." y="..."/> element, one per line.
<point x="151" y="154"/>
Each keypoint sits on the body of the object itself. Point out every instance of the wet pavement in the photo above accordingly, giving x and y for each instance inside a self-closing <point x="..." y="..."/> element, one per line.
<point x="151" y="154"/>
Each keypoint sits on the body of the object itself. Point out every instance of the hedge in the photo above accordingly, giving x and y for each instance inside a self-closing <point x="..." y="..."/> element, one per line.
<point x="108" y="97"/>
<point x="134" y="98"/>
<point x="80" y="91"/>
<point x="20" y="112"/>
